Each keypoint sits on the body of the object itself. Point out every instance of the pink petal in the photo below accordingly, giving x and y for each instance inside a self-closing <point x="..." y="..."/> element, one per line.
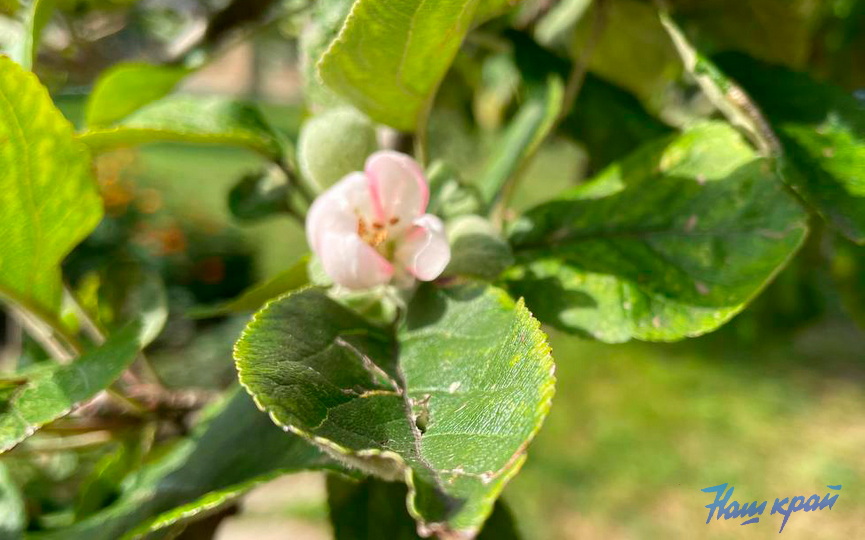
<point x="337" y="209"/>
<point x="425" y="251"/>
<point x="351" y="262"/>
<point x="399" y="189"/>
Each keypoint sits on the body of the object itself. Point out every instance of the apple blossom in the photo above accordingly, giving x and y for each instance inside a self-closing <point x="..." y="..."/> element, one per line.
<point x="371" y="227"/>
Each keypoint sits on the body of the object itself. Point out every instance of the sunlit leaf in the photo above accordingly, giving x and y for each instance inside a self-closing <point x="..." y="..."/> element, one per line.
<point x="48" y="199"/>
<point x="487" y="9"/>
<point x="127" y="87"/>
<point x="390" y="57"/>
<point x="448" y="404"/>
<point x="36" y="16"/>
<point x="667" y="243"/>
<point x="188" y="119"/>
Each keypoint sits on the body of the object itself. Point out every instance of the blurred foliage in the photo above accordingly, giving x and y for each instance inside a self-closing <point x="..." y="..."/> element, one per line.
<point x="769" y="403"/>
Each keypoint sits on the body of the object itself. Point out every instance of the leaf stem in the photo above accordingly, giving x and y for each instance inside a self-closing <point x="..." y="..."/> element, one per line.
<point x="574" y="84"/>
<point x="47" y="335"/>
<point x="577" y="76"/>
<point x="93" y="330"/>
<point x="728" y="97"/>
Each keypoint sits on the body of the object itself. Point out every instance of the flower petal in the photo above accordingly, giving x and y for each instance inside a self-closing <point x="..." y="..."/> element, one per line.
<point x="399" y="189"/>
<point x="424" y="251"/>
<point x="351" y="262"/>
<point x="337" y="209"/>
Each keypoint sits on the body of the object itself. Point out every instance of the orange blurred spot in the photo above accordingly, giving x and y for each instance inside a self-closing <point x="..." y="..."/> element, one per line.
<point x="210" y="270"/>
<point x="149" y="201"/>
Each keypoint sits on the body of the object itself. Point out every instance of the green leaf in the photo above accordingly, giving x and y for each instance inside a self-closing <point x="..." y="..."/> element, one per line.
<point x="323" y="25"/>
<point x="670" y="242"/>
<point x="368" y="510"/>
<point x="126" y="87"/>
<point x="822" y="131"/>
<point x="372" y="509"/>
<point x="477" y="249"/>
<point x="775" y="30"/>
<point x="390" y="57"/>
<point x="235" y="450"/>
<point x="260" y="195"/>
<point x="488" y="9"/>
<point x="449" y="196"/>
<point x="334" y="144"/>
<point x="53" y="392"/>
<point x="606" y="119"/>
<point x="13" y="517"/>
<point x="48" y="198"/>
<point x="559" y="22"/>
<point x="290" y="279"/>
<point x="717" y="87"/>
<point x="448" y="404"/>
<point x="633" y="51"/>
<point x="531" y="125"/>
<point x="36" y="16"/>
<point x="190" y="119"/>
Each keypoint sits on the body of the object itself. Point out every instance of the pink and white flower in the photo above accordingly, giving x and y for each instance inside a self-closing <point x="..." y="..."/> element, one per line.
<point x="371" y="227"/>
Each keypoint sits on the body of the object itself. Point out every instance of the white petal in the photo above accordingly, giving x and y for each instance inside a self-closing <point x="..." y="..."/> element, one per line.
<point x="424" y="251"/>
<point x="399" y="189"/>
<point x="337" y="209"/>
<point x="351" y="262"/>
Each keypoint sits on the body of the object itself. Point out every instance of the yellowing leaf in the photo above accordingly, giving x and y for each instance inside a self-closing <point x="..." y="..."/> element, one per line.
<point x="48" y="199"/>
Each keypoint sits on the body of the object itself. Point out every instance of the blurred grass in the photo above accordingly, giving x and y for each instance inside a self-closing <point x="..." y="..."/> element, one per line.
<point x="636" y="430"/>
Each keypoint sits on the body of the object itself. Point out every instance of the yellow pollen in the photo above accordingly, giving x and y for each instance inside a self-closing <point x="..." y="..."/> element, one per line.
<point x="375" y="235"/>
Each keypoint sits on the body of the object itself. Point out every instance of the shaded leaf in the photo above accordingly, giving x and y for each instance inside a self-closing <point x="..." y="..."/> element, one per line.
<point x="477" y="249"/>
<point x="775" y="30"/>
<point x="190" y="119"/>
<point x="199" y="474"/>
<point x="53" y="392"/>
<point x="449" y="403"/>
<point x="373" y="509"/>
<point x="670" y="242"/>
<point x="125" y="88"/>
<point x="606" y="119"/>
<point x="632" y="52"/>
<point x="294" y="277"/>
<point x="449" y="195"/>
<point x="259" y="195"/>
<point x="822" y="131"/>
<point x="48" y="199"/>
<point x="390" y="57"/>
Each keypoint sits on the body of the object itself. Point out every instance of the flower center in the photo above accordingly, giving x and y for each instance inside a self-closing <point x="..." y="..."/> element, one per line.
<point x="376" y="233"/>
